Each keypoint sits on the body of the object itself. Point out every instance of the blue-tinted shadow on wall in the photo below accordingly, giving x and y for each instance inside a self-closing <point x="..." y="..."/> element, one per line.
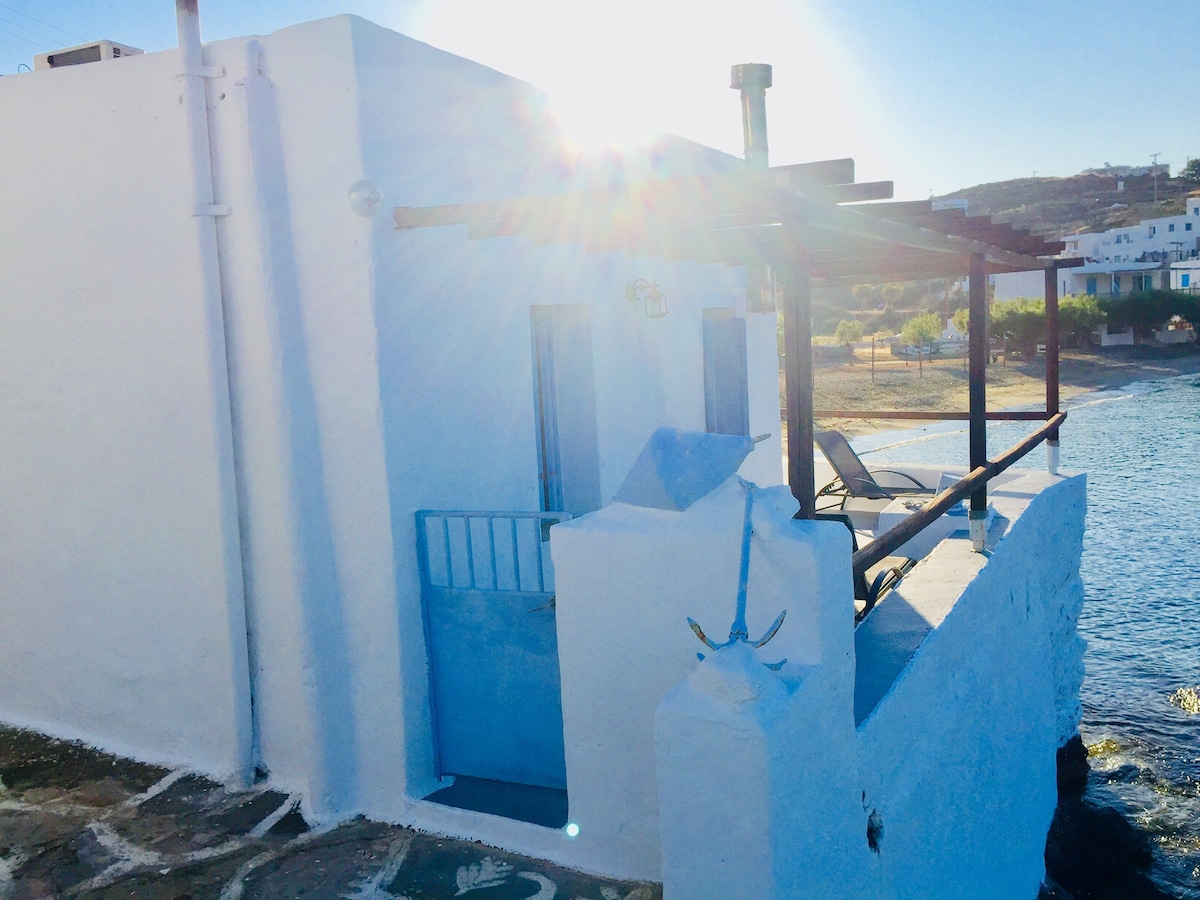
<point x="525" y="803"/>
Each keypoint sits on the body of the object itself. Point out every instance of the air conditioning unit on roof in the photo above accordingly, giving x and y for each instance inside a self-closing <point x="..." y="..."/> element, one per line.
<point x="84" y="53"/>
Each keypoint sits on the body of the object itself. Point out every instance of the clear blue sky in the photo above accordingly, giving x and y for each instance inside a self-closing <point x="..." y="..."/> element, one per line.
<point x="932" y="94"/>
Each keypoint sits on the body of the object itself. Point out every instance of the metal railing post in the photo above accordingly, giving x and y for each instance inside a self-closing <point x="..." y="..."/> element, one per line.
<point x="1052" y="342"/>
<point x="798" y="375"/>
<point x="977" y="333"/>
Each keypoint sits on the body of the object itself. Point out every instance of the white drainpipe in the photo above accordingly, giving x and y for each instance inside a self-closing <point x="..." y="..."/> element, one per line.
<point x="192" y="77"/>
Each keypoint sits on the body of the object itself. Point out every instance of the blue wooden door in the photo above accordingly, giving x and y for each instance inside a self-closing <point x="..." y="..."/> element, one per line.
<point x="487" y="595"/>
<point x="565" y="404"/>
<point x="726" y="388"/>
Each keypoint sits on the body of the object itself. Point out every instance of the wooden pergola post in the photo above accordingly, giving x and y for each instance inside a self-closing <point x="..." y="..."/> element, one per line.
<point x="798" y="373"/>
<point x="977" y="333"/>
<point x="1052" y="342"/>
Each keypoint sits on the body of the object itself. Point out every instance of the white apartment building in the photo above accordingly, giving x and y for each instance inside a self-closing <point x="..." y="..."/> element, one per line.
<point x="1119" y="260"/>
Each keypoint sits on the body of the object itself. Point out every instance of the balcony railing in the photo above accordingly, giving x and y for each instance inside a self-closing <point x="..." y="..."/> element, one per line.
<point x="896" y="537"/>
<point x="982" y="469"/>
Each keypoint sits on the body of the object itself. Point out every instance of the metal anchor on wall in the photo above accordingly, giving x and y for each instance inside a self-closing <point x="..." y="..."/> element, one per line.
<point x="739" y="632"/>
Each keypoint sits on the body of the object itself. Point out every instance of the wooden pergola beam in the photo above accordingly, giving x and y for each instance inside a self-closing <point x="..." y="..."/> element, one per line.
<point x="820" y="173"/>
<point x="624" y="215"/>
<point x="851" y="221"/>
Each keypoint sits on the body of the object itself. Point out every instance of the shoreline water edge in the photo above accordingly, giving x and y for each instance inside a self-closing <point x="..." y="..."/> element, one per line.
<point x="1128" y="821"/>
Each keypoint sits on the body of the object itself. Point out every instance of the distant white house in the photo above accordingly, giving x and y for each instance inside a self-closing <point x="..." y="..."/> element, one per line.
<point x="950" y="333"/>
<point x="1185" y="276"/>
<point x="1120" y="260"/>
<point x="1129" y="171"/>
<point x="1111" y="279"/>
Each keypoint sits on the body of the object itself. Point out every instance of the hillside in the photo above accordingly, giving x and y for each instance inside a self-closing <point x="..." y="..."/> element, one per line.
<point x="1061" y="206"/>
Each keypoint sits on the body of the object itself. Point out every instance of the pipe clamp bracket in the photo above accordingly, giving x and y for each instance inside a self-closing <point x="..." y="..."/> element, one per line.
<point x="203" y="71"/>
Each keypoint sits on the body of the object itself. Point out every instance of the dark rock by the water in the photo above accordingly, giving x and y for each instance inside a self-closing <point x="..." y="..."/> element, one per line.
<point x="1051" y="890"/>
<point x="1072" y="768"/>
<point x="1094" y="852"/>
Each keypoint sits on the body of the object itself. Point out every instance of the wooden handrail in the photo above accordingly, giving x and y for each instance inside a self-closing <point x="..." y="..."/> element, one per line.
<point x="1012" y="415"/>
<point x="894" y="537"/>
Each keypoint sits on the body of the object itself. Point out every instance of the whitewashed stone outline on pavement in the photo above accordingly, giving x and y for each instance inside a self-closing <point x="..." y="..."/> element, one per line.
<point x="372" y="888"/>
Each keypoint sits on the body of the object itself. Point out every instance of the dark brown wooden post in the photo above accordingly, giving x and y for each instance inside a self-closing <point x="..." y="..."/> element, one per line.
<point x="798" y="374"/>
<point x="977" y="389"/>
<point x="1052" y="342"/>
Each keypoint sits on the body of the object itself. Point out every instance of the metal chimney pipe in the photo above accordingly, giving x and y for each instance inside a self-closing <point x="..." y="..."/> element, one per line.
<point x="753" y="79"/>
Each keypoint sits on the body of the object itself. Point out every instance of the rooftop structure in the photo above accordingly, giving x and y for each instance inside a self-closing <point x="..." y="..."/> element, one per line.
<point x="1129" y="171"/>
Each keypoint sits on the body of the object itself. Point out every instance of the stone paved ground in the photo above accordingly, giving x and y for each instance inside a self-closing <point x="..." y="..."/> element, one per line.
<point x="76" y="823"/>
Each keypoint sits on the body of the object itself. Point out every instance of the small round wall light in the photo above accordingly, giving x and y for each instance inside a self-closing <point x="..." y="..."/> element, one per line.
<point x="654" y="301"/>
<point x="572" y="830"/>
<point x="365" y="199"/>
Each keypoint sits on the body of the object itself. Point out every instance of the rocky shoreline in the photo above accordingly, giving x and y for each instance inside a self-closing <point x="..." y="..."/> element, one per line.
<point x="1092" y="851"/>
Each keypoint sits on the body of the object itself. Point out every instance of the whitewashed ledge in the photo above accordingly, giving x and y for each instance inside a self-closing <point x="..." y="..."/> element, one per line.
<point x="912" y="758"/>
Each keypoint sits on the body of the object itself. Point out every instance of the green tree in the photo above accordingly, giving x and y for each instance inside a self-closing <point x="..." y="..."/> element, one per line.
<point x="922" y="330"/>
<point x="848" y="332"/>
<point x="1191" y="172"/>
<point x="891" y="293"/>
<point x="1021" y="321"/>
<point x="864" y="296"/>
<point x="1078" y="317"/>
<point x="961" y="320"/>
<point x="1148" y="310"/>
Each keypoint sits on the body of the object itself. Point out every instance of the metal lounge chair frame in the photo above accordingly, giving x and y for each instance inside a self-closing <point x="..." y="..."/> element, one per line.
<point x="853" y="478"/>
<point x="871" y="585"/>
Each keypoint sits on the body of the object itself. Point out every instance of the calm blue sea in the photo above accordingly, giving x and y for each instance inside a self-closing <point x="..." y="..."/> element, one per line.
<point x="1140" y="447"/>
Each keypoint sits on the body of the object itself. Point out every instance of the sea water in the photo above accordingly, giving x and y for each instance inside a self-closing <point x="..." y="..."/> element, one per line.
<point x="1140" y="448"/>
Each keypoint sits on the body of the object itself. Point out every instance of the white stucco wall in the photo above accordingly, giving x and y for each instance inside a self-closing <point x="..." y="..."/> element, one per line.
<point x="1191" y="270"/>
<point x="1010" y="285"/>
<point x="624" y="640"/>
<point x="966" y="682"/>
<point x="371" y="373"/>
<point x="122" y="619"/>
<point x="453" y="330"/>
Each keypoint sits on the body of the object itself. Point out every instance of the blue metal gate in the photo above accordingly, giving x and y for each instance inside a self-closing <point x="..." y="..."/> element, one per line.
<point x="487" y="595"/>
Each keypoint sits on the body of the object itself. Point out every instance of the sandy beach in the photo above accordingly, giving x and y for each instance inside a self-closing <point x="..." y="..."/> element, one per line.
<point x="942" y="385"/>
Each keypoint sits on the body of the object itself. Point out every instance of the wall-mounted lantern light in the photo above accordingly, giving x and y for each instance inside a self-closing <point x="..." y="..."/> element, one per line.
<point x="365" y="198"/>
<point x="761" y="290"/>
<point x="654" y="301"/>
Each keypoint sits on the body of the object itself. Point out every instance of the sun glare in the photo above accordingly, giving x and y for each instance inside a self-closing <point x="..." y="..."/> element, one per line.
<point x="619" y="73"/>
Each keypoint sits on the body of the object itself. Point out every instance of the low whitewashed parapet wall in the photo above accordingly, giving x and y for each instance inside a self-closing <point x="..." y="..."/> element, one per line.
<point x="966" y="681"/>
<point x="758" y="782"/>
<point x="627" y="579"/>
<point x="968" y="678"/>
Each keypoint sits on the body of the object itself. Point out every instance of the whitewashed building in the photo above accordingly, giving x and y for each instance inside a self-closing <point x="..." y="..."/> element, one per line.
<point x="1119" y="260"/>
<point x="223" y="406"/>
<point x="1185" y="276"/>
<point x="279" y="480"/>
